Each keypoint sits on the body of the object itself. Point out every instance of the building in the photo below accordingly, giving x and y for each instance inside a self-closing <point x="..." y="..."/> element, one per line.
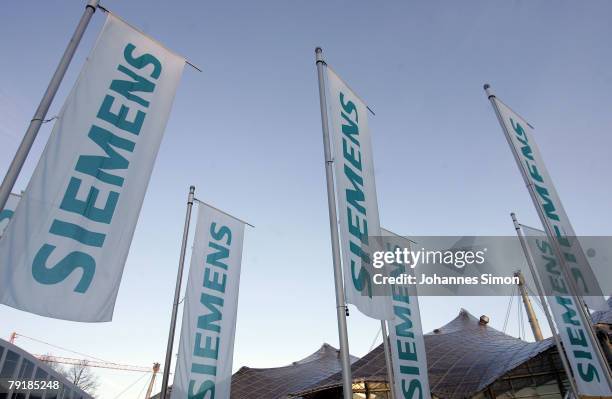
<point x="18" y="365"/>
<point x="603" y="326"/>
<point x="466" y="358"/>
<point x="279" y="382"/>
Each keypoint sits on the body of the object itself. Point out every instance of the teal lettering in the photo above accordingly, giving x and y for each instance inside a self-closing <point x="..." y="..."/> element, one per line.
<point x="223" y="231"/>
<point x="551" y="265"/>
<point x="203" y="369"/>
<point x="582" y="354"/>
<point x="406" y="350"/>
<point x="589" y="374"/>
<point x="579" y="339"/>
<point x="93" y="164"/>
<point x="77" y="233"/>
<point x="362" y="280"/>
<point x="351" y="130"/>
<point x="569" y="314"/>
<point x="214" y="258"/>
<point x="558" y="284"/>
<point x="356" y="250"/>
<point x="87" y="208"/>
<point x="414" y="389"/>
<point x="355" y="196"/>
<point x="205" y="322"/>
<point x="205" y="387"/>
<point x="349" y="107"/>
<point x="127" y="88"/>
<point x="354" y="227"/>
<point x="533" y="172"/>
<point x="6" y="214"/>
<point x="522" y="137"/>
<point x="142" y="61"/>
<point x="207" y="351"/>
<point x="544" y="246"/>
<point x="349" y="153"/>
<point x="120" y="119"/>
<point x="214" y="283"/>
<point x="403" y="329"/>
<point x="400" y="293"/>
<point x="411" y="370"/>
<point x="549" y="207"/>
<point x="63" y="268"/>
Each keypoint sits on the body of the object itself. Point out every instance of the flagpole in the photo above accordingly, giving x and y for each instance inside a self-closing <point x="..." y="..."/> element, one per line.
<point x="341" y="307"/>
<point x="177" y="293"/>
<point x="388" y="359"/>
<point x="41" y="112"/>
<point x="540" y="290"/>
<point x="584" y="318"/>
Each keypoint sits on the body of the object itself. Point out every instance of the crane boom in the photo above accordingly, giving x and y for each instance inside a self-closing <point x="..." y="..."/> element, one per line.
<point x="152" y="381"/>
<point x="92" y="363"/>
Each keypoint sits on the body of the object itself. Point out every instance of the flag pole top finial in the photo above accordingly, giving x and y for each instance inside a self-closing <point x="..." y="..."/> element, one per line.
<point x="487" y="89"/>
<point x="319" y="55"/>
<point x="93" y="4"/>
<point x="487" y="86"/>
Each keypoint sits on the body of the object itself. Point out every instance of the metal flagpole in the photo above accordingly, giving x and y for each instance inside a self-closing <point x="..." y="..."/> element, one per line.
<point x="531" y="316"/>
<point x="540" y="290"/>
<point x="177" y="293"/>
<point x="388" y="359"/>
<point x="341" y="308"/>
<point x="554" y="244"/>
<point x="41" y="112"/>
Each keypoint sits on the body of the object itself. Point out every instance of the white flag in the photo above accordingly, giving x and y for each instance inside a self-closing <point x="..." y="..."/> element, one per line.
<point x="65" y="249"/>
<point x="206" y="349"/>
<point x="521" y="138"/>
<point x="356" y="196"/>
<point x="589" y="374"/>
<point x="405" y="330"/>
<point x="9" y="210"/>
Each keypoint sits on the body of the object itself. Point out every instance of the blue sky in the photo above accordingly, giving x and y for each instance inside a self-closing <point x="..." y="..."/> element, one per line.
<point x="246" y="132"/>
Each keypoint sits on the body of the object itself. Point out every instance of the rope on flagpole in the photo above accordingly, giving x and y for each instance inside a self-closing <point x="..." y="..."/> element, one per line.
<point x="223" y="212"/>
<point x="106" y="10"/>
<point x="375" y="339"/>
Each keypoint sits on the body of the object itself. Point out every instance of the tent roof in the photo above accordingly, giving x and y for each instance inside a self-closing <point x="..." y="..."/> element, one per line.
<point x="278" y="382"/>
<point x="603" y="316"/>
<point x="463" y="357"/>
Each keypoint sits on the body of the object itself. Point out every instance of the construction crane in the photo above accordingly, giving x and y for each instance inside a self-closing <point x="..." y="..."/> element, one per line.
<point x="531" y="316"/>
<point x="152" y="382"/>
<point x="94" y="363"/>
<point x="521" y="290"/>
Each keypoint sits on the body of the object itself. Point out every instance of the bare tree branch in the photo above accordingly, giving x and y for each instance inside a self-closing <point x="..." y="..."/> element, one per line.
<point x="81" y="374"/>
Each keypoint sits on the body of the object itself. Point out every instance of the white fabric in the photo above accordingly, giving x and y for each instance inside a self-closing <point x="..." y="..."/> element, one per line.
<point x="529" y="160"/>
<point x="406" y="340"/>
<point x="64" y="251"/>
<point x="9" y="210"/>
<point x="355" y="195"/>
<point x="588" y="372"/>
<point x="206" y="349"/>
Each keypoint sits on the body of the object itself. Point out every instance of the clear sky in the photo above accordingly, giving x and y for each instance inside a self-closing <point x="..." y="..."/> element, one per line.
<point x="246" y="132"/>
